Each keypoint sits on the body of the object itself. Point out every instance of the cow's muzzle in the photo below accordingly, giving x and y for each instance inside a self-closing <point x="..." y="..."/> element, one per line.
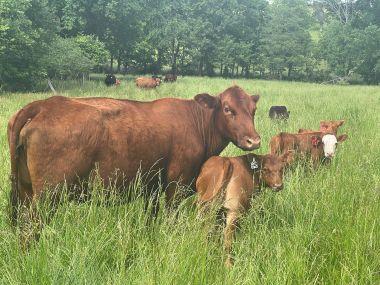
<point x="249" y="143"/>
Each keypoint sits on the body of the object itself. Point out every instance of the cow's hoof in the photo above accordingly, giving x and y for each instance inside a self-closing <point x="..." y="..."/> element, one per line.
<point x="229" y="263"/>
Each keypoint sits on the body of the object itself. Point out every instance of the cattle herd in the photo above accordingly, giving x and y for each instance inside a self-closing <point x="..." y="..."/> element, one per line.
<point x="142" y="82"/>
<point x="172" y="141"/>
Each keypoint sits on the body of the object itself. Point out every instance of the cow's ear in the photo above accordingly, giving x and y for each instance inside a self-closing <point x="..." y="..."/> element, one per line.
<point x="206" y="100"/>
<point x="339" y="123"/>
<point x="288" y="157"/>
<point x="342" y="138"/>
<point x="315" y="140"/>
<point x="255" y="98"/>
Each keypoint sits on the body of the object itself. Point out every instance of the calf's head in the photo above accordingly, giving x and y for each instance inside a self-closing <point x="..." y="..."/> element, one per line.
<point x="329" y="143"/>
<point x="234" y="116"/>
<point x="272" y="169"/>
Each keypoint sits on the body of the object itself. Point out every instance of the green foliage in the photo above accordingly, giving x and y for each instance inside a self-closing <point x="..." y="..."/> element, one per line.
<point x="93" y="49"/>
<point x="284" y="39"/>
<point x="26" y="30"/>
<point x="287" y="40"/>
<point x="66" y="59"/>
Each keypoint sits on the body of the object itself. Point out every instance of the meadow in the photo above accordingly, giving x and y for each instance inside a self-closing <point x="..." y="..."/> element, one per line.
<point x="323" y="228"/>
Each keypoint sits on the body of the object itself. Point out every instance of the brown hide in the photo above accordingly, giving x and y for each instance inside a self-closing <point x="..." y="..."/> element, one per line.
<point x="62" y="140"/>
<point x="147" y="82"/>
<point x="230" y="183"/>
<point x="301" y="143"/>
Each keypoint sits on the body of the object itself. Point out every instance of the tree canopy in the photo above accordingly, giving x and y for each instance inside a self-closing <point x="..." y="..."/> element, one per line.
<point x="315" y="40"/>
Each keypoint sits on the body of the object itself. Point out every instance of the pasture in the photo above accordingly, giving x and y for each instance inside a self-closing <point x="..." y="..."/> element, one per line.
<point x="323" y="228"/>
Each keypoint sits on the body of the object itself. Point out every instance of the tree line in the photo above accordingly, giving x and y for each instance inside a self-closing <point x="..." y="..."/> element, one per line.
<point x="316" y="40"/>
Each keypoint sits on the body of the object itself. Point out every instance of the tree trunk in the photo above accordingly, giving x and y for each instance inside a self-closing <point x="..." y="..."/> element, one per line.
<point x="111" y="63"/>
<point x="233" y="70"/>
<point x="221" y="68"/>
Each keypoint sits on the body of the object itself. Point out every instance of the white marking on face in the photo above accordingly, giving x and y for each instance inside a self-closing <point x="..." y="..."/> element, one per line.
<point x="329" y="145"/>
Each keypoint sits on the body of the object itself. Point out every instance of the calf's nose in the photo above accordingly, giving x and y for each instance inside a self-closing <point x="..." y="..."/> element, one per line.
<point x="278" y="187"/>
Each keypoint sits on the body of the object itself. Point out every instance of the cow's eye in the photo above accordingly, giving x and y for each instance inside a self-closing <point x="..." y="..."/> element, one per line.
<point x="227" y="110"/>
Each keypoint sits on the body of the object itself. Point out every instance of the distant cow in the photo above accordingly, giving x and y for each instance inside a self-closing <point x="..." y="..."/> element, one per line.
<point x="170" y="77"/>
<point x="147" y="82"/>
<point x="231" y="182"/>
<point x="328" y="127"/>
<point x="62" y="140"/>
<point x="317" y="145"/>
<point x="110" y="80"/>
<point x="279" y="112"/>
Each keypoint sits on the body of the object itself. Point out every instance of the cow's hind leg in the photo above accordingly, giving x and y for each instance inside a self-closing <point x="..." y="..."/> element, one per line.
<point x="229" y="234"/>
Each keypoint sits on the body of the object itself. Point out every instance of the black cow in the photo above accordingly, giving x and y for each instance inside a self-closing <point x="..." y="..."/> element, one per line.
<point x="110" y="80"/>
<point x="279" y="112"/>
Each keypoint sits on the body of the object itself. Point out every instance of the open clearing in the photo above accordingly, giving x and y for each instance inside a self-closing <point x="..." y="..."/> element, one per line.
<point x="323" y="228"/>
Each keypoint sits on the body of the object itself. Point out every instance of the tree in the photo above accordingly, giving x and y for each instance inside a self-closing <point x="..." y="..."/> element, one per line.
<point x="65" y="59"/>
<point x="26" y="31"/>
<point x="287" y="41"/>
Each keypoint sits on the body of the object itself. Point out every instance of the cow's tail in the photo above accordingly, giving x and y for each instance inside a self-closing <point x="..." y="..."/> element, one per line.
<point x="15" y="126"/>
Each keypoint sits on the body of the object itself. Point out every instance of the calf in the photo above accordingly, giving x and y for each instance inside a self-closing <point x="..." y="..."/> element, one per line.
<point x="279" y="112"/>
<point x="231" y="182"/>
<point x="317" y="145"/>
<point x="329" y="127"/>
<point x="170" y="77"/>
<point x="146" y="82"/>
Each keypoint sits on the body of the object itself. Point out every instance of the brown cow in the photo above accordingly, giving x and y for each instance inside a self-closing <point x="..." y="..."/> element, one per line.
<point x="61" y="140"/>
<point x="170" y="77"/>
<point x="317" y="145"/>
<point x="329" y="127"/>
<point x="231" y="182"/>
<point x="147" y="82"/>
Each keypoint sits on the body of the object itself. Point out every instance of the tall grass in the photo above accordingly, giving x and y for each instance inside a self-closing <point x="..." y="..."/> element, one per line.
<point x="323" y="228"/>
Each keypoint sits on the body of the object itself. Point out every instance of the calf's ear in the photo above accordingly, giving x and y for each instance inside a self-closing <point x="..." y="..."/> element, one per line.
<point x="288" y="157"/>
<point x="255" y="98"/>
<point x="206" y="100"/>
<point x="342" y="138"/>
<point x="339" y="123"/>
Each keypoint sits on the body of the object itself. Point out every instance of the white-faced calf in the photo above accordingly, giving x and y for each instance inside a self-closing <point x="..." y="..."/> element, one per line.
<point x="230" y="182"/>
<point x="316" y="145"/>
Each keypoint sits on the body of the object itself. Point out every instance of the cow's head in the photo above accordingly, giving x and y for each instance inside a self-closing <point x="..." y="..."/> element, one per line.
<point x="158" y="81"/>
<point x="272" y="169"/>
<point x="329" y="143"/>
<point x="234" y="116"/>
<point x="330" y="127"/>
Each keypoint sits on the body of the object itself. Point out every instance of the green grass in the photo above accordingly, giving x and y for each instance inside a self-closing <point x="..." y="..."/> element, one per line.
<point x="323" y="228"/>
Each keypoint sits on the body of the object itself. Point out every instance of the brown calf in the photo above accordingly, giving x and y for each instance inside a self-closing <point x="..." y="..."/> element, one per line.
<point x="231" y="183"/>
<point x="329" y="127"/>
<point x="147" y="82"/>
<point x="317" y="145"/>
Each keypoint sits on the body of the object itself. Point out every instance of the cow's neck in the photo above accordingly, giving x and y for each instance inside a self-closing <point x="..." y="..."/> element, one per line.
<point x="205" y="123"/>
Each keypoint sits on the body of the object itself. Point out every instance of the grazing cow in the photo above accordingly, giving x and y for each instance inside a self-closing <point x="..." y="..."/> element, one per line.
<point x="170" y="77"/>
<point x="279" y="112"/>
<point x="232" y="181"/>
<point x="110" y="80"/>
<point x="317" y="145"/>
<point x="146" y="82"/>
<point x="328" y="127"/>
<point x="61" y="140"/>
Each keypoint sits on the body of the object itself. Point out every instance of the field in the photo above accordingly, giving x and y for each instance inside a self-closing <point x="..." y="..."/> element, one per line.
<point x="323" y="228"/>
